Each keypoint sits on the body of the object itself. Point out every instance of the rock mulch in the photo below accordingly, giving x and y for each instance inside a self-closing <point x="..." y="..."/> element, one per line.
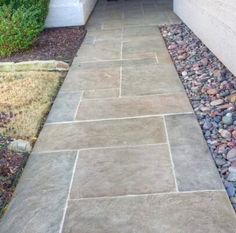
<point x="211" y="87"/>
<point x="54" y="44"/>
<point x="11" y="165"/>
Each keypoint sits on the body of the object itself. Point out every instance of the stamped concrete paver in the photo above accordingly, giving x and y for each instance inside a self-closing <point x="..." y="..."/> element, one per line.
<point x="105" y="133"/>
<point x="65" y="107"/>
<point x="172" y="213"/>
<point x="133" y="106"/>
<point x="121" y="150"/>
<point x="150" y="79"/>
<point x="142" y="48"/>
<point x="194" y="168"/>
<point x="141" y="33"/>
<point x="92" y="78"/>
<point x="123" y="171"/>
<point x="99" y="51"/>
<point x="101" y="93"/>
<point x="41" y="195"/>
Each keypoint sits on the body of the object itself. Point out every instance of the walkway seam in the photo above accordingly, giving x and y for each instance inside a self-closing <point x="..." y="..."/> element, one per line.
<point x="121" y="118"/>
<point x="77" y="108"/>
<point x="146" y="195"/>
<point x="127" y="96"/>
<point x="120" y="81"/>
<point x="69" y="191"/>
<point x="99" y="148"/>
<point x="170" y="153"/>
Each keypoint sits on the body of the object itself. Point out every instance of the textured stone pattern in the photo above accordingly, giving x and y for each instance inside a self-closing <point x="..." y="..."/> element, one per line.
<point x="121" y="150"/>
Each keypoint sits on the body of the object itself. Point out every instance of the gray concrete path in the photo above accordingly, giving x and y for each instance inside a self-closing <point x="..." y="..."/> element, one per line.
<point x="121" y="150"/>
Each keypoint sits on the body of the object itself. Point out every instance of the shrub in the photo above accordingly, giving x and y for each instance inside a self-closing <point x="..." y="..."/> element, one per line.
<point x="21" y="22"/>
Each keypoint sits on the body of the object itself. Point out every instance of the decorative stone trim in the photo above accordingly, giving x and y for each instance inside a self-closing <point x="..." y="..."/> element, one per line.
<point x="50" y="65"/>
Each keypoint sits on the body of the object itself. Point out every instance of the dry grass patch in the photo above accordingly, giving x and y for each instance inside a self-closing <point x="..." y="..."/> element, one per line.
<point x="25" y="99"/>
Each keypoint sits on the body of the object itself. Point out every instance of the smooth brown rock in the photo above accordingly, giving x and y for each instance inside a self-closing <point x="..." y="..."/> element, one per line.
<point x="212" y="91"/>
<point x="217" y="102"/>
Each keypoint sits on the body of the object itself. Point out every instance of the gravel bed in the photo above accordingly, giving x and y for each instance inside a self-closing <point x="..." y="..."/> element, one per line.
<point x="211" y="88"/>
<point x="53" y="44"/>
<point x="11" y="165"/>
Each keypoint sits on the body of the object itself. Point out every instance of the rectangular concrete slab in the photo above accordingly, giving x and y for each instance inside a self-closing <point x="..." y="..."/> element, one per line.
<point x="150" y="79"/>
<point x="194" y="166"/>
<point x="123" y="171"/>
<point x="142" y="48"/>
<point x="99" y="51"/>
<point x="64" y="107"/>
<point x="133" y="106"/>
<point x="101" y="35"/>
<point x="141" y="33"/>
<point x="41" y="194"/>
<point x="209" y="212"/>
<point x="108" y="133"/>
<point x="101" y="93"/>
<point x="92" y="78"/>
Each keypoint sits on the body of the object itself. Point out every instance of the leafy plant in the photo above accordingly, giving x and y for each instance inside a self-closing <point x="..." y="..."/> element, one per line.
<point x="21" y="22"/>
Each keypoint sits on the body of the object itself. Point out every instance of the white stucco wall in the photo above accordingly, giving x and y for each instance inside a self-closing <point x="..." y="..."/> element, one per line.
<point x="214" y="22"/>
<point x="64" y="13"/>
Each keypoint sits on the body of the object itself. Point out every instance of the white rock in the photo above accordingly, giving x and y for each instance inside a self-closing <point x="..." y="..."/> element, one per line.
<point x="232" y="177"/>
<point x="20" y="146"/>
<point x="231" y="155"/>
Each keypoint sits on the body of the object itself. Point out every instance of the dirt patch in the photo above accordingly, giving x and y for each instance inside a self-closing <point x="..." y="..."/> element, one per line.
<point x="25" y="99"/>
<point x="54" y="44"/>
<point x="11" y="165"/>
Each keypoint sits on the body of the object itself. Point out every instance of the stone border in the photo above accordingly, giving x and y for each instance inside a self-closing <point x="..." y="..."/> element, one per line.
<point x="50" y="65"/>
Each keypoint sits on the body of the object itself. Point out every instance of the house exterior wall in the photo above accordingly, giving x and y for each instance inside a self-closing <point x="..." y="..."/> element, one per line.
<point x="64" y="13"/>
<point x="214" y="22"/>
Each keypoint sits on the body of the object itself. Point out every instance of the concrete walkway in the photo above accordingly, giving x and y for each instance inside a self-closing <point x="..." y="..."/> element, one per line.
<point x="121" y="151"/>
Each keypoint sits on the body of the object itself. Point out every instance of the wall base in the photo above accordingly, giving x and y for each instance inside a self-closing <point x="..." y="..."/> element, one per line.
<point x="69" y="13"/>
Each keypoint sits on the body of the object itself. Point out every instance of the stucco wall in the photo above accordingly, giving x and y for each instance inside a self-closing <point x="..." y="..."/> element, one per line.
<point x="69" y="12"/>
<point x="214" y="22"/>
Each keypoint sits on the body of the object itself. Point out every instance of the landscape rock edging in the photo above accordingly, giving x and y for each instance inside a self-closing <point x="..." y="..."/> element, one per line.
<point x="50" y="65"/>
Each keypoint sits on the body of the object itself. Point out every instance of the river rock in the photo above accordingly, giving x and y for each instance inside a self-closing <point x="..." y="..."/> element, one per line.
<point x="225" y="133"/>
<point x="234" y="134"/>
<point x="230" y="190"/>
<point x="232" y="177"/>
<point x="232" y="98"/>
<point x="217" y="102"/>
<point x="228" y="119"/>
<point x="233" y="200"/>
<point x="20" y="146"/>
<point x="212" y="91"/>
<point x="231" y="155"/>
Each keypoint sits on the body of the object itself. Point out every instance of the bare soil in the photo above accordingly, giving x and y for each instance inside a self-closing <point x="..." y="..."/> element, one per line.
<point x="53" y="44"/>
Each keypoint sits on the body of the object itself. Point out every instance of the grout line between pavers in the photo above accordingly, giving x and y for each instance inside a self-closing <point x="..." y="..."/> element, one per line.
<point x="130" y="96"/>
<point x="146" y="195"/>
<point x="158" y="63"/>
<point x="77" y="108"/>
<point x="99" y="148"/>
<point x="69" y="191"/>
<point x="116" y="118"/>
<point x="170" y="153"/>
<point x="121" y="56"/>
<point x="113" y="60"/>
<point x="120" y="93"/>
